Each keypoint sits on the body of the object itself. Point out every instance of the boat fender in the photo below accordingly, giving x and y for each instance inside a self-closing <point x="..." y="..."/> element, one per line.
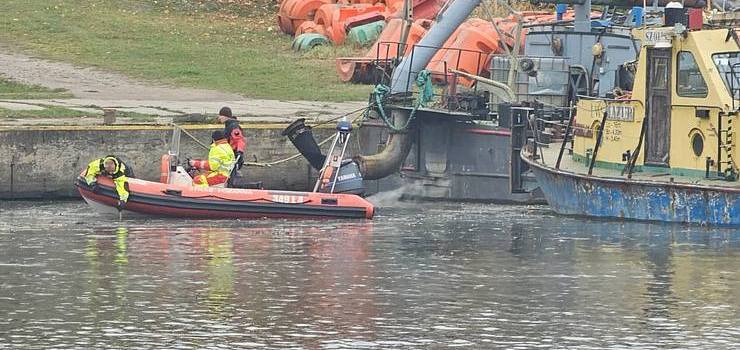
<point x="164" y="169"/>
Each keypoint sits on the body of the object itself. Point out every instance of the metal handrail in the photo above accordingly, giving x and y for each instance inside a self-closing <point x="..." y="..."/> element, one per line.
<point x="444" y="76"/>
<point x="734" y="78"/>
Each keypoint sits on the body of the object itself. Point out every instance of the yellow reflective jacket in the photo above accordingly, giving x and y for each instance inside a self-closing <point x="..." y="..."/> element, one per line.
<point x="221" y="158"/>
<point x="97" y="167"/>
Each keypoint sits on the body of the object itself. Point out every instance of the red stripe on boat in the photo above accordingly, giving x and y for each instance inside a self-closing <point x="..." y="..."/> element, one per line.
<point x="489" y="132"/>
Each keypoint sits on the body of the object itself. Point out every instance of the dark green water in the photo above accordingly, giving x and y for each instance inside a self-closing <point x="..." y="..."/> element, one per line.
<point x="419" y="277"/>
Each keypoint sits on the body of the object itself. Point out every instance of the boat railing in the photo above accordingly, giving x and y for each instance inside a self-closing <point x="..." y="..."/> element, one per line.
<point x="448" y="98"/>
<point x="608" y="100"/>
<point x="619" y="109"/>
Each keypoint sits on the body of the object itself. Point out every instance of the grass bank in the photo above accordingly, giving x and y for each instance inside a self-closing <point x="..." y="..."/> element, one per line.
<point x="188" y="46"/>
<point x="13" y="90"/>
<point x="54" y="112"/>
<point x="47" y="112"/>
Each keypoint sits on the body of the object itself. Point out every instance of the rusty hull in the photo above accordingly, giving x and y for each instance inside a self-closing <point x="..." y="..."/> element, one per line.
<point x="575" y="194"/>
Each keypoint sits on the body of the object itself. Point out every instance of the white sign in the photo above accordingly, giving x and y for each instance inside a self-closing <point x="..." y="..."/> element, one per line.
<point x="624" y="113"/>
<point x="662" y="36"/>
<point x="346" y="177"/>
<point x="288" y="199"/>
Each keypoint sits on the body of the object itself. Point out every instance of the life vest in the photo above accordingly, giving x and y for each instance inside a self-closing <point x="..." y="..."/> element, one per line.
<point x="119" y="175"/>
<point x="235" y="135"/>
<point x="221" y="158"/>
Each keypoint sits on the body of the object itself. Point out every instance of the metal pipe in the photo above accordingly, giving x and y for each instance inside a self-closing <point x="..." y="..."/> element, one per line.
<point x="380" y="165"/>
<point x="388" y="161"/>
<point x="496" y="28"/>
<point x="513" y="60"/>
<point x="553" y="23"/>
<point x="407" y="8"/>
<point x="327" y="160"/>
<point x="408" y="76"/>
<point x="568" y="130"/>
<point x="341" y="157"/>
<point x="636" y="153"/>
<point x="583" y="17"/>
<point x="447" y="22"/>
<point x="508" y="94"/>
<point x="598" y="144"/>
<point x="477" y="69"/>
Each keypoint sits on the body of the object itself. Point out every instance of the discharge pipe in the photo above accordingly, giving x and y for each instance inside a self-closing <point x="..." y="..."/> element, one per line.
<point x="302" y="138"/>
<point x="388" y="161"/>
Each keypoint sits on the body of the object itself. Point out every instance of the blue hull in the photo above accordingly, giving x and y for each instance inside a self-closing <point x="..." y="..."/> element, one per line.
<point x="575" y="194"/>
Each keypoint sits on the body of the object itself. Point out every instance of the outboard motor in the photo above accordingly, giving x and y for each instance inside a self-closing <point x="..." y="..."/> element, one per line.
<point x="348" y="180"/>
<point x="336" y="174"/>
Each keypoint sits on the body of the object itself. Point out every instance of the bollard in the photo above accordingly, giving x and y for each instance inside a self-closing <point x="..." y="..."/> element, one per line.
<point x="109" y="116"/>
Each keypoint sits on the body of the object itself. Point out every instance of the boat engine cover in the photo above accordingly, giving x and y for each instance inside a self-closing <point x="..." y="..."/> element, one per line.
<point x="349" y="179"/>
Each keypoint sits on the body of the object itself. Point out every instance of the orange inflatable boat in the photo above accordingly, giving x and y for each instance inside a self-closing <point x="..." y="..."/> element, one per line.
<point x="335" y="194"/>
<point x="161" y="199"/>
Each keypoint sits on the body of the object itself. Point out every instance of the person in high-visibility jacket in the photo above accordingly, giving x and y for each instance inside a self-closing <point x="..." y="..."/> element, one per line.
<point x="217" y="169"/>
<point x="234" y="134"/>
<point x="116" y="169"/>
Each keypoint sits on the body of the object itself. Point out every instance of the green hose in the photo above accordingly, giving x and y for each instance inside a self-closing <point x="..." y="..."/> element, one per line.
<point x="426" y="93"/>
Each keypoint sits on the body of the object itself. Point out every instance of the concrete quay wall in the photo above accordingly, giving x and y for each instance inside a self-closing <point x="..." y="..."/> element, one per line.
<point x="42" y="162"/>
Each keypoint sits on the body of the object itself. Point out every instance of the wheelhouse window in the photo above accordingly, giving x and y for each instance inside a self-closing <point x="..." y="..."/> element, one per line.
<point x="728" y="66"/>
<point x="690" y="81"/>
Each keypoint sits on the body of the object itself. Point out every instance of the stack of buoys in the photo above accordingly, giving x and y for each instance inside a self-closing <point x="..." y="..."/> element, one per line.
<point x="292" y="13"/>
<point x="337" y="19"/>
<point x="315" y="22"/>
<point x="381" y="55"/>
<point x="378" y="24"/>
<point x="469" y="48"/>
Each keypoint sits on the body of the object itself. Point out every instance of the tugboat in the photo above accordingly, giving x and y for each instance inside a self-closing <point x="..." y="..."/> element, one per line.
<point x="460" y="144"/>
<point x="664" y="151"/>
<point x="336" y="193"/>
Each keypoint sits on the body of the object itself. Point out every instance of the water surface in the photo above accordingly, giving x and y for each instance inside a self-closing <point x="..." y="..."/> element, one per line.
<point x="419" y="276"/>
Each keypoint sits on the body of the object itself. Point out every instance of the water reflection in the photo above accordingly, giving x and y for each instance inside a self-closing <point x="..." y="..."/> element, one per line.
<point x="431" y="276"/>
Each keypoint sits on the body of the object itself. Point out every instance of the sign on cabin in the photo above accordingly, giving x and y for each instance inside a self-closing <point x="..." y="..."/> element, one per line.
<point x="624" y="113"/>
<point x="658" y="37"/>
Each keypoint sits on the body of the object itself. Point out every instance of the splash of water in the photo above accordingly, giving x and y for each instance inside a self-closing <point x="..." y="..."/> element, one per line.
<point x="394" y="198"/>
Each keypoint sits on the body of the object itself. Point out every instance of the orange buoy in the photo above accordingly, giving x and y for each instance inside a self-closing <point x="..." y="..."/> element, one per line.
<point x="422" y="9"/>
<point x="381" y="53"/>
<point x="310" y="27"/>
<point x="467" y="50"/>
<point x="334" y="17"/>
<point x="346" y="69"/>
<point x="427" y="9"/>
<point x="292" y="13"/>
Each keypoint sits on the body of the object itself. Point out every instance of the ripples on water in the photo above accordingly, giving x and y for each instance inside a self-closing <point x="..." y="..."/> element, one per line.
<point x="420" y="276"/>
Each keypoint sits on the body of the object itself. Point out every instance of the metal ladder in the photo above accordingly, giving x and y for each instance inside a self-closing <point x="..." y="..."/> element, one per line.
<point x="724" y="142"/>
<point x="724" y="136"/>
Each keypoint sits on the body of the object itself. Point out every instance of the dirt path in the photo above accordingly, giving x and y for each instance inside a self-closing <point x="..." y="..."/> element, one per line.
<point x="95" y="89"/>
<point x="93" y="83"/>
